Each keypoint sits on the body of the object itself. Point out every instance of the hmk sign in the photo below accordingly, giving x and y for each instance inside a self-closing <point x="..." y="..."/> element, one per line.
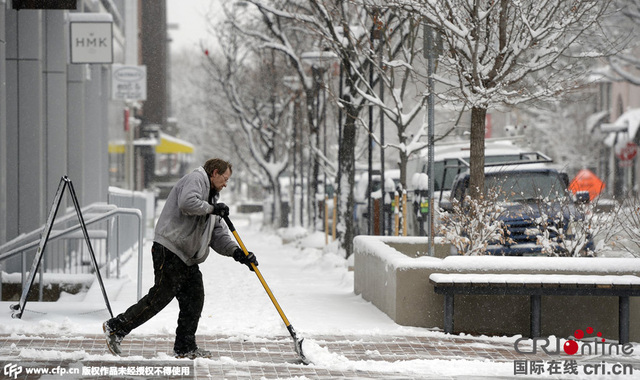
<point x="91" y="41"/>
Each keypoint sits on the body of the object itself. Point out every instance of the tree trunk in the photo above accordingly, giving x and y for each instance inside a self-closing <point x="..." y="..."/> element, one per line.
<point x="346" y="178"/>
<point x="312" y="180"/>
<point x="315" y="183"/>
<point x="277" y="202"/>
<point x="476" y="171"/>
<point x="404" y="159"/>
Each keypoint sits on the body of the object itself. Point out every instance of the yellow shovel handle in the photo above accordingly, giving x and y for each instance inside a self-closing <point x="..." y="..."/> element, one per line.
<point x="257" y="271"/>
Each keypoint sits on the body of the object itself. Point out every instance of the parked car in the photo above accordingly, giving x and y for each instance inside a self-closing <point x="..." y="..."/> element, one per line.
<point x="534" y="208"/>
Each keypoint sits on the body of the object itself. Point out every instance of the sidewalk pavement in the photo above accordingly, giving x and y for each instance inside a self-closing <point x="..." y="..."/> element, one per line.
<point x="234" y="358"/>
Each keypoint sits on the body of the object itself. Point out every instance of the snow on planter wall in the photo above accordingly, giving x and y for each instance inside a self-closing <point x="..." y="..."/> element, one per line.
<point x="388" y="274"/>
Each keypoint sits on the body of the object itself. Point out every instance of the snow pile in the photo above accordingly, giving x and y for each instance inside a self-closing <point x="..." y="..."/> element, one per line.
<point x="322" y="357"/>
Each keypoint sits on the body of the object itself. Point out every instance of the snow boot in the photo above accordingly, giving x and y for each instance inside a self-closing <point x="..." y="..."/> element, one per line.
<point x="113" y="339"/>
<point x="193" y="354"/>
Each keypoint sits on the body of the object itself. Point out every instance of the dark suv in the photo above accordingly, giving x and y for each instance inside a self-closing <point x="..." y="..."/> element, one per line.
<point x="535" y="210"/>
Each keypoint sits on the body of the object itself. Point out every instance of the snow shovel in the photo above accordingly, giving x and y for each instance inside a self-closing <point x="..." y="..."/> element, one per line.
<point x="297" y="343"/>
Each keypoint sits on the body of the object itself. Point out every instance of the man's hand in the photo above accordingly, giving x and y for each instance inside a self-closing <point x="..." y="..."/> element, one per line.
<point x="239" y="256"/>
<point x="220" y="209"/>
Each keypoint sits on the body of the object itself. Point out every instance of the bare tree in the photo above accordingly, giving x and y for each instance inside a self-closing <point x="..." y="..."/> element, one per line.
<point x="560" y="129"/>
<point x="626" y="222"/>
<point x="378" y="51"/>
<point x="281" y="32"/>
<point x="194" y="103"/>
<point x="506" y="52"/>
<point x="498" y="52"/>
<point x="624" y="25"/>
<point x="396" y="56"/>
<point x="339" y="27"/>
<point x="251" y="81"/>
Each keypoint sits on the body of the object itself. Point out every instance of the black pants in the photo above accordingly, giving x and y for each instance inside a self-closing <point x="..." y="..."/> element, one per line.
<point x="173" y="278"/>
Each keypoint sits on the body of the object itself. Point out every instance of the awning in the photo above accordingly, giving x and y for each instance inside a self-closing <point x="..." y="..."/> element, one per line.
<point x="166" y="145"/>
<point x="630" y="122"/>
<point x="170" y="144"/>
<point x="594" y="120"/>
<point x="116" y="147"/>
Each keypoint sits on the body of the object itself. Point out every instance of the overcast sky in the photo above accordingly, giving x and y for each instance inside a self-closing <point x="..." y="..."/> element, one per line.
<point x="189" y="16"/>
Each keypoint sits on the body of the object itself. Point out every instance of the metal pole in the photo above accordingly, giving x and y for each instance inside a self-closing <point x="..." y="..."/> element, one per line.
<point x="117" y="230"/>
<point x="370" y="174"/>
<point x="316" y="162"/>
<point x="382" y="221"/>
<point x="430" y="133"/>
<point x="294" y="207"/>
<point x="302" y="163"/>
<point x="340" y="110"/>
<point x="324" y="129"/>
<point x="324" y="149"/>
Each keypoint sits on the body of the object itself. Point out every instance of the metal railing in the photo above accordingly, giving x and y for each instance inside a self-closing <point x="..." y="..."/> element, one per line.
<point x="64" y="232"/>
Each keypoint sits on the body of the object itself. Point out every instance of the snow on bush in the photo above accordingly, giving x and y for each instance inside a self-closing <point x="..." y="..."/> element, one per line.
<point x="562" y="226"/>
<point x="625" y="226"/>
<point x="558" y="239"/>
<point x="474" y="224"/>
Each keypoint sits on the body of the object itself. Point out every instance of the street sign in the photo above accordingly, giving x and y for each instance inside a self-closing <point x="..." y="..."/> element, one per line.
<point x="586" y="180"/>
<point x="432" y="42"/>
<point x="627" y="152"/>
<point x="128" y="82"/>
<point x="90" y="38"/>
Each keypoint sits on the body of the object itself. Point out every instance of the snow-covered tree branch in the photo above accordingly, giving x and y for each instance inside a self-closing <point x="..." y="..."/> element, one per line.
<point x="624" y="25"/>
<point x="507" y="52"/>
<point x="259" y="105"/>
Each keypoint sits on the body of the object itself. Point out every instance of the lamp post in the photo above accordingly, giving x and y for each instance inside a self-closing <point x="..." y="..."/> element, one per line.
<point x="370" y="157"/>
<point x="296" y="198"/>
<point x="319" y="61"/>
<point x="376" y="34"/>
<point x="432" y="48"/>
<point x="382" y="178"/>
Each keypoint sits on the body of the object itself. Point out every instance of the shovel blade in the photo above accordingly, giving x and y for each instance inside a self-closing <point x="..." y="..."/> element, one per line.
<point x="297" y="345"/>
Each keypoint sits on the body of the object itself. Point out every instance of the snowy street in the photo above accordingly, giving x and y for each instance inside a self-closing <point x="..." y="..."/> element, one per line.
<point x="343" y="333"/>
<point x="482" y="154"/>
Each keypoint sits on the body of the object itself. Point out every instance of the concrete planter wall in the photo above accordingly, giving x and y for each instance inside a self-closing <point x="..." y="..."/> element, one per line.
<point x="391" y="273"/>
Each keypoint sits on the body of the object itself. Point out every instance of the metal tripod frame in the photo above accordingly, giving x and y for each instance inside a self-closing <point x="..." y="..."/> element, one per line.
<point x="65" y="182"/>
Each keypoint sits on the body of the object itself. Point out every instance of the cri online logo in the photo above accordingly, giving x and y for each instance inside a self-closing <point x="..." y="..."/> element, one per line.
<point x="571" y="347"/>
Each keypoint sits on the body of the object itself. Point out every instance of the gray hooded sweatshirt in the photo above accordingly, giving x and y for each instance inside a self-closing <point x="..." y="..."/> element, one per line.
<point x="186" y="226"/>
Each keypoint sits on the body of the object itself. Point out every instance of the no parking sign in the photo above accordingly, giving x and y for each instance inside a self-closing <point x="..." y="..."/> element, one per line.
<point x="627" y="153"/>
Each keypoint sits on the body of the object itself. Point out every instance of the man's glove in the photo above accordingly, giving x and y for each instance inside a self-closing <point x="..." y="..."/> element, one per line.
<point x="220" y="209"/>
<point x="239" y="256"/>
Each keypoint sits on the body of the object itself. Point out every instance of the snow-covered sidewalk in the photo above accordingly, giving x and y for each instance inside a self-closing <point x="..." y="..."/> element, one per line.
<point x="314" y="287"/>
